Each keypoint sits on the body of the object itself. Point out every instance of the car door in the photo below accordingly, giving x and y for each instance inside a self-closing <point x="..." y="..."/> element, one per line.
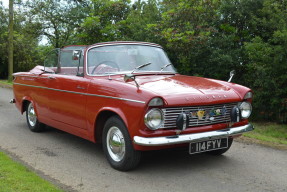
<point x="67" y="104"/>
<point x="67" y="92"/>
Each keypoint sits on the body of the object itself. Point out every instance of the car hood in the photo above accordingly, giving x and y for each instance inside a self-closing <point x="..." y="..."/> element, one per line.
<point x="180" y="89"/>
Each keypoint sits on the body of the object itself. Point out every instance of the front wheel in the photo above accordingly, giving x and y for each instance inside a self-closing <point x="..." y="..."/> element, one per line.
<point x="32" y="120"/>
<point x="118" y="147"/>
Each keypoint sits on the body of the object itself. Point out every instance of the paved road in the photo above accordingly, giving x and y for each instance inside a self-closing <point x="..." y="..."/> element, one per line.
<point x="81" y="165"/>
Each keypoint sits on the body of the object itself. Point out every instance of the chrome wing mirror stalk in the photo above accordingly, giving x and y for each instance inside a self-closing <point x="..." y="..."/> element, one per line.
<point x="130" y="77"/>
<point x="232" y="73"/>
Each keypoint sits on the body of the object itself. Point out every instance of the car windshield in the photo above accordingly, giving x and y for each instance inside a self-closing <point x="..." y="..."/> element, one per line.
<point x="120" y="59"/>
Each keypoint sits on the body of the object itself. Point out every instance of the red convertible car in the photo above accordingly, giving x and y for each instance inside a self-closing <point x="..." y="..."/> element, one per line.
<point x="128" y="96"/>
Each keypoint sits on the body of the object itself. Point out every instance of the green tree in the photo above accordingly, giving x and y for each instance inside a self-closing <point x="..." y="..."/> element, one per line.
<point x="235" y="25"/>
<point x="186" y="30"/>
<point x="59" y="19"/>
<point x="10" y="40"/>
<point x="3" y="44"/>
<point x="102" y="22"/>
<point x="140" y="22"/>
<point x="267" y="62"/>
<point x="26" y="53"/>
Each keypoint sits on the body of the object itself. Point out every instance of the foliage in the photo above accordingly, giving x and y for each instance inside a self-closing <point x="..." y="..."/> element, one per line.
<point x="26" y="53"/>
<point x="267" y="62"/>
<point x="186" y="27"/>
<point x="102" y="22"/>
<point x="58" y="19"/>
<point x="269" y="132"/>
<point x="142" y="16"/>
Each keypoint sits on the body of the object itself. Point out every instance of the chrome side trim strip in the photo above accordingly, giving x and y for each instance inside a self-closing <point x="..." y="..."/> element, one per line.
<point x="31" y="76"/>
<point x="160" y="141"/>
<point x="118" y="98"/>
<point x="87" y="94"/>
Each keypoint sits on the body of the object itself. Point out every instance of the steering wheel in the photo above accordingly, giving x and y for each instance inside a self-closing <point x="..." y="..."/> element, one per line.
<point x="109" y="63"/>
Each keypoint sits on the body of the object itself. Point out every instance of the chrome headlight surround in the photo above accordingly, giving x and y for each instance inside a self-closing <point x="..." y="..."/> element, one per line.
<point x="248" y="95"/>
<point x="246" y="109"/>
<point x="154" y="118"/>
<point x="157" y="101"/>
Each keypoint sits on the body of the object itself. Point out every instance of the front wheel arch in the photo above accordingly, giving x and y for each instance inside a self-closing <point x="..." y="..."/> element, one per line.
<point x="102" y="118"/>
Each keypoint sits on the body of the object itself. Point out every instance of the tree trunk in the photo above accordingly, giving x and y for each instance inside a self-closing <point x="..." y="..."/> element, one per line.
<point x="10" y="41"/>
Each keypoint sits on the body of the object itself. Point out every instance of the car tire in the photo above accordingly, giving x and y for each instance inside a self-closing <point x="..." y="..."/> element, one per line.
<point x="32" y="120"/>
<point x="118" y="147"/>
<point x="221" y="151"/>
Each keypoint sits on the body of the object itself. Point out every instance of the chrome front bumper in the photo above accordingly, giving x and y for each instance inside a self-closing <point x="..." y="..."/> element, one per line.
<point x="188" y="138"/>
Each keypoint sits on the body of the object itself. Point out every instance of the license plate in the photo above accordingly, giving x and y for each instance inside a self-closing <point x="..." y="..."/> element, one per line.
<point x="209" y="145"/>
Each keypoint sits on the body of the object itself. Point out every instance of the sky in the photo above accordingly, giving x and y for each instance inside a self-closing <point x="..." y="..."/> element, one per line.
<point x="5" y="2"/>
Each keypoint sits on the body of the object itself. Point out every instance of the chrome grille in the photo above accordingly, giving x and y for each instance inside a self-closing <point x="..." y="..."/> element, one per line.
<point x="171" y="114"/>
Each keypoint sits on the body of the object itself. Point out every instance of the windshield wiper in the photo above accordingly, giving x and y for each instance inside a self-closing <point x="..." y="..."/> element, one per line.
<point x="165" y="66"/>
<point x="141" y="66"/>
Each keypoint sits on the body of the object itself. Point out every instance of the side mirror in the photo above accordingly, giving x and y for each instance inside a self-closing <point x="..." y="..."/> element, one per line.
<point x="232" y="73"/>
<point x="76" y="55"/>
<point x="131" y="77"/>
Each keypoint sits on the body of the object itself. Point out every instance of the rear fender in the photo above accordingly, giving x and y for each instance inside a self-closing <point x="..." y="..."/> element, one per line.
<point x="24" y="104"/>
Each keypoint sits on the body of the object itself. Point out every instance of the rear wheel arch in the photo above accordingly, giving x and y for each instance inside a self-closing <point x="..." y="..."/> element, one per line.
<point x="25" y="103"/>
<point x="32" y="120"/>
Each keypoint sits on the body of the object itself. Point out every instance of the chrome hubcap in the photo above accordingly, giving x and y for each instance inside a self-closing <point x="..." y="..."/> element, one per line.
<point x="32" y="118"/>
<point x="116" y="144"/>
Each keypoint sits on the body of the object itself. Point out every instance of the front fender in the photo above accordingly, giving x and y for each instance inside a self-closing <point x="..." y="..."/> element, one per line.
<point x="117" y="111"/>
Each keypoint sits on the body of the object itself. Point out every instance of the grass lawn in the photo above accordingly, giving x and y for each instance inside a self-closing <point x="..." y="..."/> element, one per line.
<point x="270" y="132"/>
<point x="6" y="82"/>
<point x="16" y="177"/>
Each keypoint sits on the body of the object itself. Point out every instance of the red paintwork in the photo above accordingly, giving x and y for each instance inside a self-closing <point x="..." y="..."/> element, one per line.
<point x="77" y="114"/>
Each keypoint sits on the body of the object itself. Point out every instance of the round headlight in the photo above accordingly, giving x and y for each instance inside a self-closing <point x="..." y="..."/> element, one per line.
<point x="246" y="109"/>
<point x="153" y="119"/>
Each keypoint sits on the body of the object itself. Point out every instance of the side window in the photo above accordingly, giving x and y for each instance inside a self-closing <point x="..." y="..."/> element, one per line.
<point x="51" y="61"/>
<point x="69" y="64"/>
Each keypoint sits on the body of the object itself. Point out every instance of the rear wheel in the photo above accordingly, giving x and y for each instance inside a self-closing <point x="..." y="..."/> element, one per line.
<point x="118" y="147"/>
<point x="221" y="151"/>
<point x="32" y="120"/>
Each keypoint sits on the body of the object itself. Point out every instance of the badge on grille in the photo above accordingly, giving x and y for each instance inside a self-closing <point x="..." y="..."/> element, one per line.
<point x="200" y="114"/>
<point x="193" y="114"/>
